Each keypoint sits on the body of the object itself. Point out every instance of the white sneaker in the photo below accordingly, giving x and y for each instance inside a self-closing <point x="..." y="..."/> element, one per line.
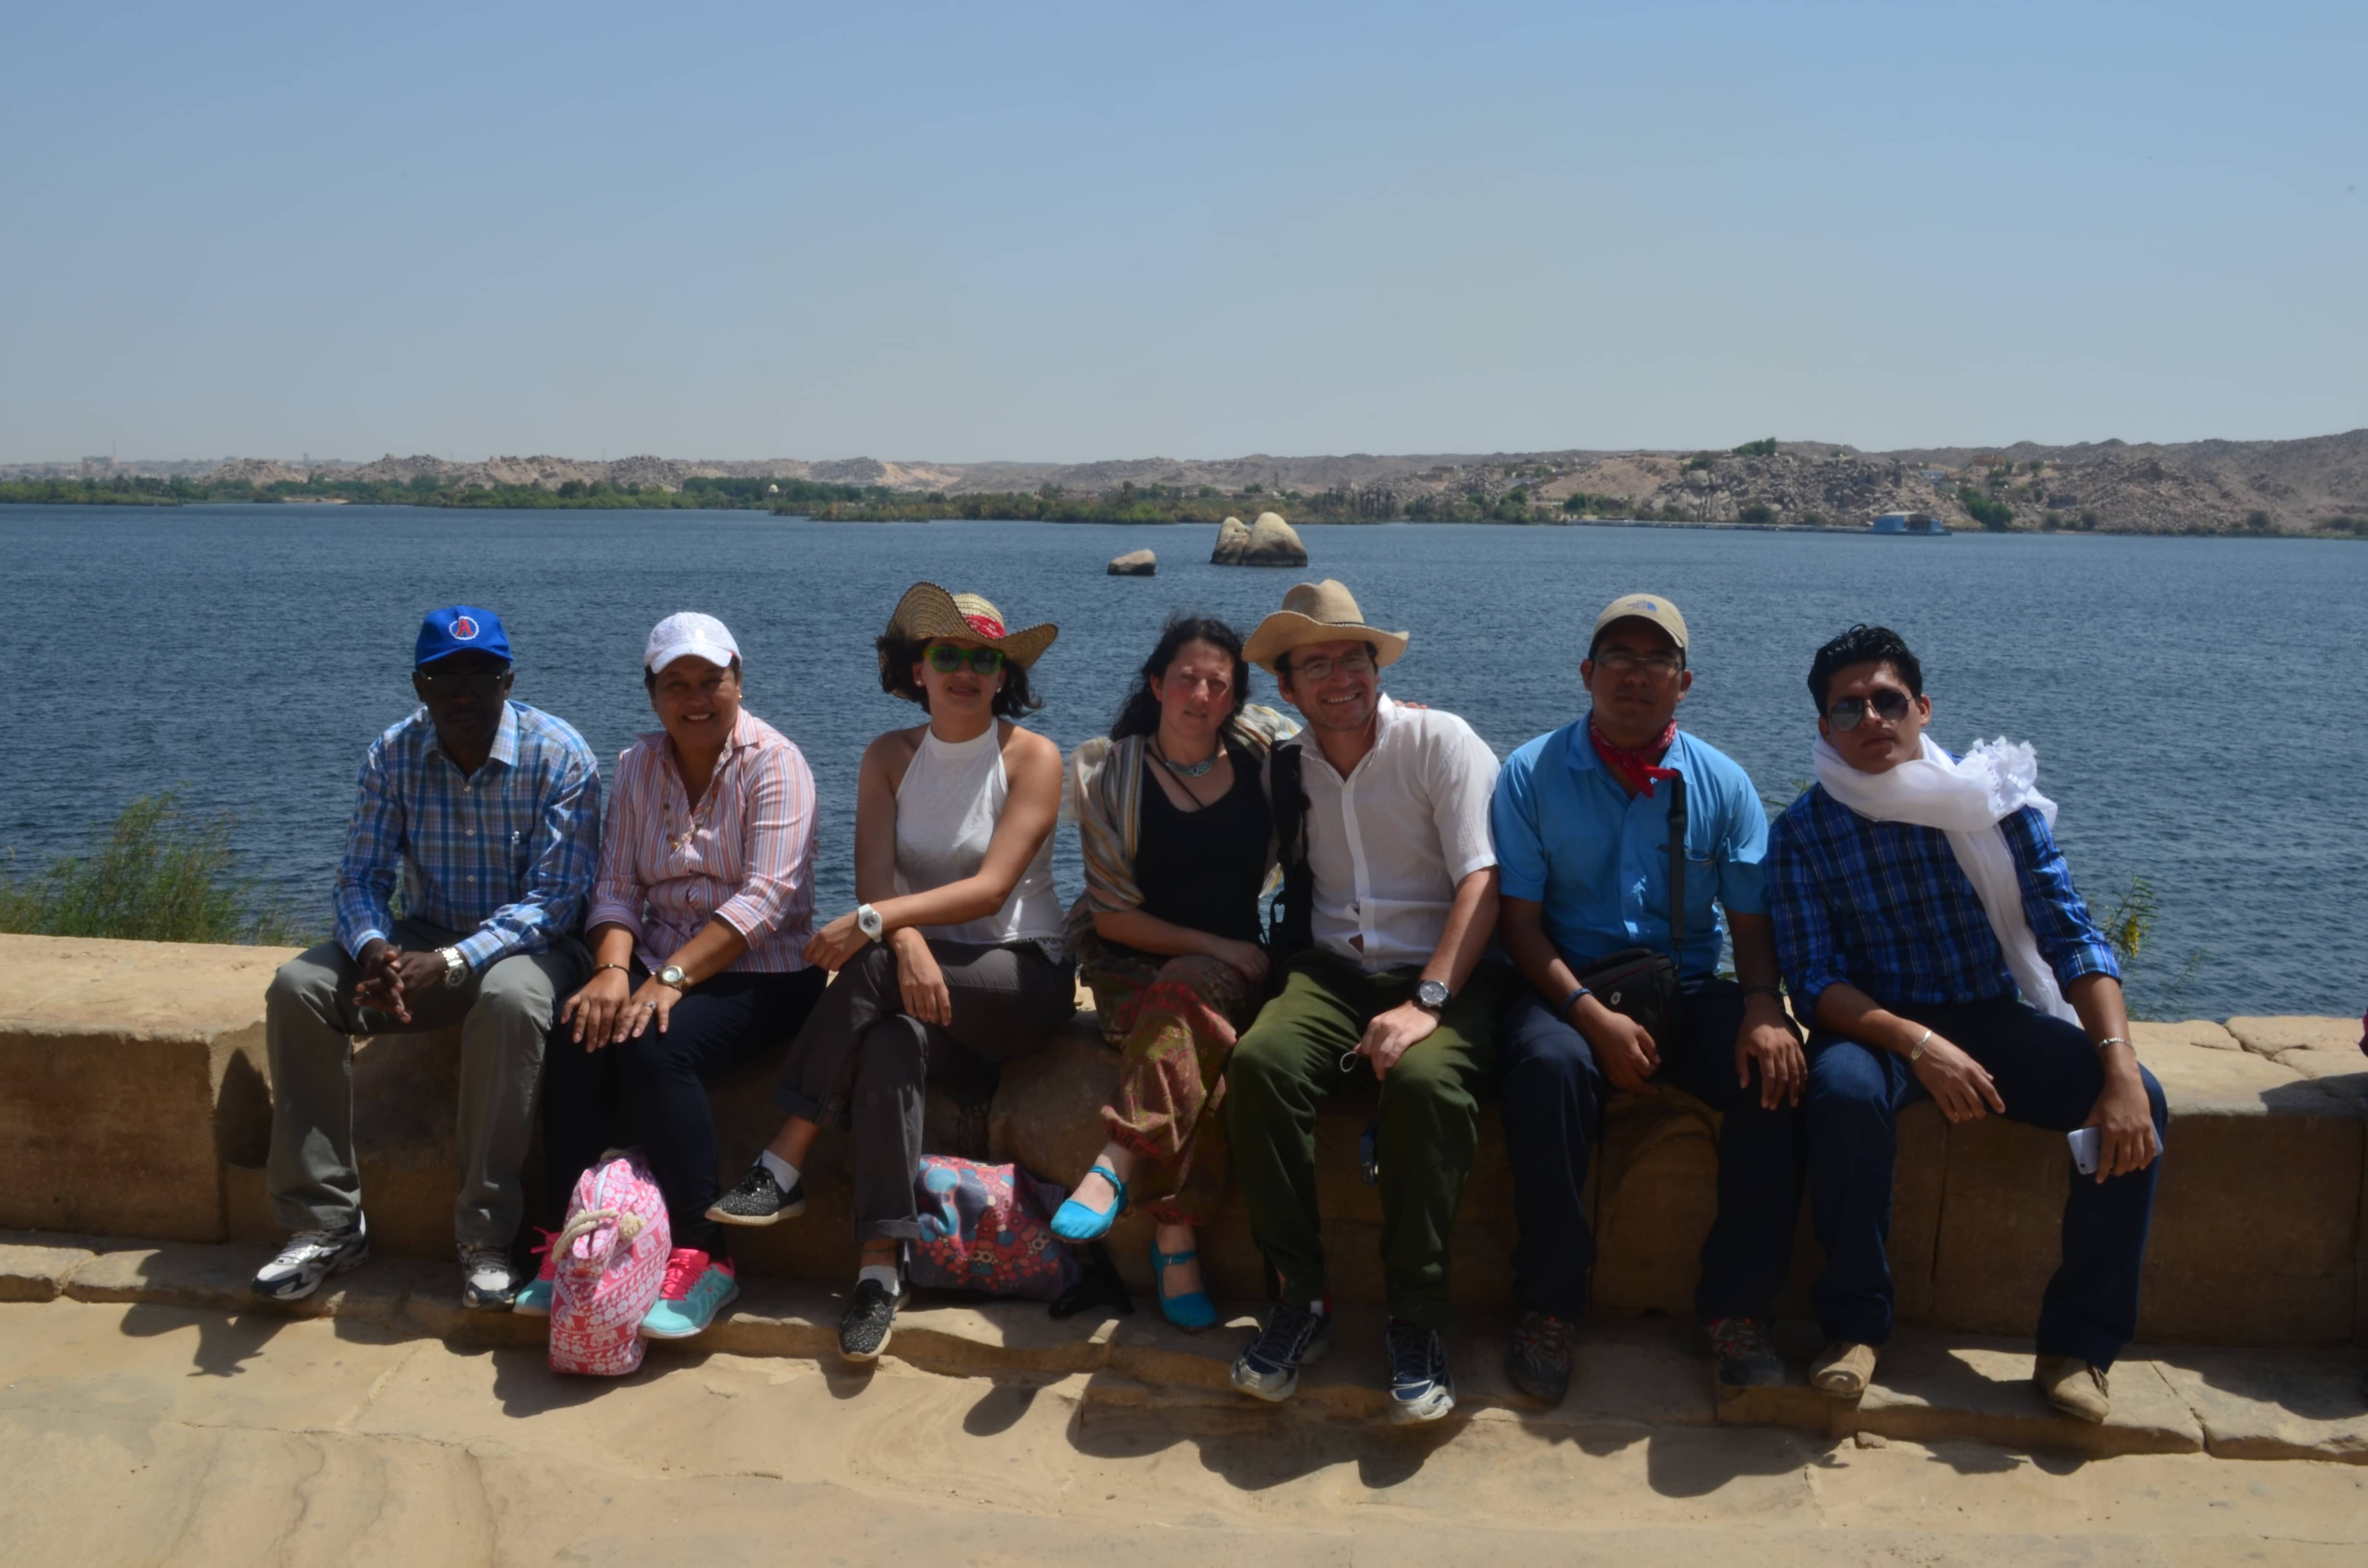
<point x="310" y="1257"/>
<point x="488" y="1283"/>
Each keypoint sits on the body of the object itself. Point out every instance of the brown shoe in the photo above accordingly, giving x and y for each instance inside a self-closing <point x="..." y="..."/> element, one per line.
<point x="2074" y="1387"/>
<point x="1843" y="1370"/>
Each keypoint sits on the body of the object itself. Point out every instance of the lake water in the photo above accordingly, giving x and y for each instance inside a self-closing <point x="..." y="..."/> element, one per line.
<point x="2197" y="704"/>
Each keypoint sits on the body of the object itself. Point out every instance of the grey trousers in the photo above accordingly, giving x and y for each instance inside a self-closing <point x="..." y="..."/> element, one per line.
<point x="503" y="1012"/>
<point x="863" y="1061"/>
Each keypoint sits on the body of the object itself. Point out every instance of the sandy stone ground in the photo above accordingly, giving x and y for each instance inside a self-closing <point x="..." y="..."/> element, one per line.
<point x="140" y="1433"/>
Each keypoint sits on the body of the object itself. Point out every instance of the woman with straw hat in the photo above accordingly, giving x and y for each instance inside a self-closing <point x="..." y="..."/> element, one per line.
<point x="955" y="947"/>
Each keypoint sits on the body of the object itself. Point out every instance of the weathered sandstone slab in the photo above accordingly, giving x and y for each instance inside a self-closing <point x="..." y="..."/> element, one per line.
<point x="2275" y="1037"/>
<point x="2273" y="1405"/>
<point x="36" y="1269"/>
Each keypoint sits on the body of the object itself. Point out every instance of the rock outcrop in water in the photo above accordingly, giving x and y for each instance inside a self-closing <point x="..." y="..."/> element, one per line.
<point x="1135" y="563"/>
<point x="1268" y="543"/>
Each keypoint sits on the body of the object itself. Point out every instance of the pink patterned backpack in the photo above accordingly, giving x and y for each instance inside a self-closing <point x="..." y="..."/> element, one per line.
<point x="612" y="1257"/>
<point x="989" y="1229"/>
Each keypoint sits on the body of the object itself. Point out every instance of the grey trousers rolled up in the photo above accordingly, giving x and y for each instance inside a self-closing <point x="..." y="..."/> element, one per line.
<point x="310" y="1020"/>
<point x="863" y="1062"/>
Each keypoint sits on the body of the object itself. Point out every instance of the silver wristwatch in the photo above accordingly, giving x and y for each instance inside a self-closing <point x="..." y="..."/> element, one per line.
<point x="455" y="968"/>
<point x="867" y="921"/>
<point x="1432" y="996"/>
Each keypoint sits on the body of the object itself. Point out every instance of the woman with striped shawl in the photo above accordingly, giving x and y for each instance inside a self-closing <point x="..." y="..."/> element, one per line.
<point x="1173" y="813"/>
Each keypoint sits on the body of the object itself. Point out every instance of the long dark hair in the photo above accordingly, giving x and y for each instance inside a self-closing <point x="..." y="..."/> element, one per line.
<point x="899" y="654"/>
<point x="1139" y="714"/>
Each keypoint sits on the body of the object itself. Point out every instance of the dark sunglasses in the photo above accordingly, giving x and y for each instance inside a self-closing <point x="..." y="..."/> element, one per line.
<point x="1889" y="706"/>
<point x="945" y="658"/>
<point x="452" y="683"/>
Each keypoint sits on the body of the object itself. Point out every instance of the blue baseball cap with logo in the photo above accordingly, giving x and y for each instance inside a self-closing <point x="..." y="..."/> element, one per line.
<point x="459" y="628"/>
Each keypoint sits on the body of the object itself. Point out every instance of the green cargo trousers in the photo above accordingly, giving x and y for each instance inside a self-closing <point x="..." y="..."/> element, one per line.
<point x="1289" y="1059"/>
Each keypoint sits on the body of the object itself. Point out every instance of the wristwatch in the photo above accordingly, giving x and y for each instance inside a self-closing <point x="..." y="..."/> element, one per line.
<point x="455" y="968"/>
<point x="1432" y="997"/>
<point x="674" y="975"/>
<point x="867" y="921"/>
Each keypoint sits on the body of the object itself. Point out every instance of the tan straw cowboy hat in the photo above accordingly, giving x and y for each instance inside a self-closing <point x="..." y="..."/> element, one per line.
<point x="928" y="611"/>
<point x="1319" y="612"/>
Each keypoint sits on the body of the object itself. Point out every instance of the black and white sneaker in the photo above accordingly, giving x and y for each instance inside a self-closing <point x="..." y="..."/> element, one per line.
<point x="758" y="1199"/>
<point x="489" y="1282"/>
<point x="1422" y="1388"/>
<point x="869" y="1318"/>
<point x="310" y="1257"/>
<point x="1268" y="1367"/>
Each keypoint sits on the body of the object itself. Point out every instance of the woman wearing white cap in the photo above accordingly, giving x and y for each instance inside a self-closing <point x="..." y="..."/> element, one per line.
<point x="955" y="948"/>
<point x="700" y="920"/>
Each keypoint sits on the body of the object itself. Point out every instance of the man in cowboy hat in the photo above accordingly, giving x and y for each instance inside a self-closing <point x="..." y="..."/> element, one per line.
<point x="1390" y="897"/>
<point x="1584" y="817"/>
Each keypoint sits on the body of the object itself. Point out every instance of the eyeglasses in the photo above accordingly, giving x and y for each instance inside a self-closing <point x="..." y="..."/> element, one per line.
<point x="452" y="683"/>
<point x="1358" y="663"/>
<point x="1620" y="661"/>
<point x="945" y="658"/>
<point x="1889" y="706"/>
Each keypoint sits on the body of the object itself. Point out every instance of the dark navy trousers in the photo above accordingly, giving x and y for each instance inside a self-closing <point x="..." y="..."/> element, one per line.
<point x="2049" y="1075"/>
<point x="1553" y="1112"/>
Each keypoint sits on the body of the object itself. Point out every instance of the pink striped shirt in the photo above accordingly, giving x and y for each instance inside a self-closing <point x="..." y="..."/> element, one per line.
<point x="745" y="855"/>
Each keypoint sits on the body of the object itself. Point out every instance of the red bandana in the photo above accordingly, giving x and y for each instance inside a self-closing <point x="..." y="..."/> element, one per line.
<point x="987" y="626"/>
<point x="1636" y="770"/>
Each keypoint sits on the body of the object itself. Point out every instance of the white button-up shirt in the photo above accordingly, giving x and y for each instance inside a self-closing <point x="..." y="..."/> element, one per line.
<point x="1389" y="843"/>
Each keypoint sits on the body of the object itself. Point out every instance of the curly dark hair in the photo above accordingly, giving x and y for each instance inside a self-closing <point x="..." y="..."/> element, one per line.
<point x="1863" y="644"/>
<point x="899" y="654"/>
<point x="1139" y="714"/>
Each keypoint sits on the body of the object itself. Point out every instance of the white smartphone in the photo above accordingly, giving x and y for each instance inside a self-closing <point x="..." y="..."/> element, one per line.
<point x="2087" y="1147"/>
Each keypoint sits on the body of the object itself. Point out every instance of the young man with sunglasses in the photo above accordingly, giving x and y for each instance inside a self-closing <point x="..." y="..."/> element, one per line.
<point x="489" y="812"/>
<point x="1584" y="818"/>
<point x="1931" y="936"/>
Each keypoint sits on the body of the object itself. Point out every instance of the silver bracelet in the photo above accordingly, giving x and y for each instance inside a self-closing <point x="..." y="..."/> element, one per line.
<point x="2115" y="1039"/>
<point x="1917" y="1054"/>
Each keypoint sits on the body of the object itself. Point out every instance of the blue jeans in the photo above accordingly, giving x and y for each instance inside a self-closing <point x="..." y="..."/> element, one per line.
<point x="1552" y="1113"/>
<point x="2048" y="1074"/>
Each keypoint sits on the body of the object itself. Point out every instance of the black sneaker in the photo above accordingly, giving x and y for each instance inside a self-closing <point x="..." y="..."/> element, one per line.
<point x="310" y="1257"/>
<point x="1268" y="1367"/>
<point x="871" y="1316"/>
<point x="758" y="1199"/>
<point x="1422" y="1388"/>
<point x="1743" y="1353"/>
<point x="1538" y="1356"/>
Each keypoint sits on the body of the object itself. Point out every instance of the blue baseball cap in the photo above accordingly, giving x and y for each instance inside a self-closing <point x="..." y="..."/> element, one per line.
<point x="458" y="629"/>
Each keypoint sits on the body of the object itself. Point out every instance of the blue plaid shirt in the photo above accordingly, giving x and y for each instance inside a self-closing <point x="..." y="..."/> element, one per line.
<point x="1884" y="906"/>
<point x="507" y="856"/>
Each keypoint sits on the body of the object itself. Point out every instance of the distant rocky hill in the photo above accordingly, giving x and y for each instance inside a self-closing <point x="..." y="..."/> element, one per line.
<point x="2316" y="484"/>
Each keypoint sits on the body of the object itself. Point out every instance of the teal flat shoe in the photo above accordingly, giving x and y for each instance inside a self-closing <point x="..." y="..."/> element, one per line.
<point x="1193" y="1312"/>
<point x="1073" y="1222"/>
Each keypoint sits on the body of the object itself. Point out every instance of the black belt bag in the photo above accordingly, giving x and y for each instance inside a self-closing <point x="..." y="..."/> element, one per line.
<point x="1643" y="983"/>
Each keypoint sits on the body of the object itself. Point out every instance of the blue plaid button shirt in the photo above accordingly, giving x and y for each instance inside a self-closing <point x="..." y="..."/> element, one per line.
<point x="508" y="856"/>
<point x="1884" y="906"/>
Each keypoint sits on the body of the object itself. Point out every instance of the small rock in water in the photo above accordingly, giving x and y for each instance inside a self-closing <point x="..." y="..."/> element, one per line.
<point x="1135" y="563"/>
<point x="1269" y="542"/>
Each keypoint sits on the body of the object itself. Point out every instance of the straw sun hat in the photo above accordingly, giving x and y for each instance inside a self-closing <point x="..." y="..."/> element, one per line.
<point x="1319" y="612"/>
<point x="927" y="613"/>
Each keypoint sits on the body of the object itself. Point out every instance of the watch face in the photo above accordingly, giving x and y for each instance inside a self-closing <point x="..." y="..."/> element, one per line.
<point x="1431" y="994"/>
<point x="670" y="975"/>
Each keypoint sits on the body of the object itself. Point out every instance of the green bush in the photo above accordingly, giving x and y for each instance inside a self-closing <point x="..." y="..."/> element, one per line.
<point x="1760" y="449"/>
<point x="1699" y="461"/>
<point x="1992" y="515"/>
<point x="2257" y="521"/>
<point x="1757" y="512"/>
<point x="157" y="878"/>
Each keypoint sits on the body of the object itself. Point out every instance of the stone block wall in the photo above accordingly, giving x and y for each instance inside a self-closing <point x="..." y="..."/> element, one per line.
<point x="138" y="1099"/>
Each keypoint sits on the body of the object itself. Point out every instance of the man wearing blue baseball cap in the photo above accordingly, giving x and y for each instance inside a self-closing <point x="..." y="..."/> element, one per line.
<point x="489" y="811"/>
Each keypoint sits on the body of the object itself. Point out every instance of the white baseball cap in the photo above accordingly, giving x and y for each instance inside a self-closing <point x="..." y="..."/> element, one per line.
<point x="688" y="632"/>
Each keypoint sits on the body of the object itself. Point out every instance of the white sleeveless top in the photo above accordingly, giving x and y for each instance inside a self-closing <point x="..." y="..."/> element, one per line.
<point x="947" y="807"/>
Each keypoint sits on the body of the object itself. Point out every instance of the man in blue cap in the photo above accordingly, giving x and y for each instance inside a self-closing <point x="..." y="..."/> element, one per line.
<point x="490" y="812"/>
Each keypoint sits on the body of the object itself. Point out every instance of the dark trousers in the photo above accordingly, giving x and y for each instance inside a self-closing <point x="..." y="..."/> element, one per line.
<point x="1552" y="1110"/>
<point x="864" y="1062"/>
<point x="1289" y="1061"/>
<point x="651" y="1091"/>
<point x="2048" y="1074"/>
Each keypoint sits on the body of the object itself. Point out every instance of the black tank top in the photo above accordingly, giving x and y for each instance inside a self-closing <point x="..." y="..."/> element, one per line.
<point x="1202" y="870"/>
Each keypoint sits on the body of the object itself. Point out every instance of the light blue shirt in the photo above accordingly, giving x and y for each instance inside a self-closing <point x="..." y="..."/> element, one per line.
<point x="1568" y="837"/>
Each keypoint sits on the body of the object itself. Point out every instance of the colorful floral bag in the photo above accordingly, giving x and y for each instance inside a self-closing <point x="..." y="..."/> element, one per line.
<point x="989" y="1229"/>
<point x="613" y="1256"/>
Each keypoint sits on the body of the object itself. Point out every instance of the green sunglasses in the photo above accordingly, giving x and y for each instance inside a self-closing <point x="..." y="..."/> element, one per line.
<point x="945" y="658"/>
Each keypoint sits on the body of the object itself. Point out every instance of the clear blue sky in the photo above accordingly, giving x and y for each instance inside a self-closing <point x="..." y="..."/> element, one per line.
<point x="1072" y="232"/>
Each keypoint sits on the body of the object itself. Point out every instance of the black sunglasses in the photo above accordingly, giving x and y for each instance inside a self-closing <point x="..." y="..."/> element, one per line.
<point x="452" y="683"/>
<point x="1889" y="706"/>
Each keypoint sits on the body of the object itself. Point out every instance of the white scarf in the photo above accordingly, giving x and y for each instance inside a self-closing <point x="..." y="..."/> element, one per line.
<point x="1965" y="800"/>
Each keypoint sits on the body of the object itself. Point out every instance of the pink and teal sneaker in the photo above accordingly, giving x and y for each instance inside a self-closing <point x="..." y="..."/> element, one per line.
<point x="697" y="1287"/>
<point x="534" y="1299"/>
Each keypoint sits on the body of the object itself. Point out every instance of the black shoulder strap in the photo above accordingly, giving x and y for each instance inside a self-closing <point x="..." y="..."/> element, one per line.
<point x="1678" y="867"/>
<point x="1291" y="927"/>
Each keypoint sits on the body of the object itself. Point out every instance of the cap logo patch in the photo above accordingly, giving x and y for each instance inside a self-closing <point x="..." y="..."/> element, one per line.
<point x="987" y="626"/>
<point x="464" y="628"/>
<point x="1647" y="604"/>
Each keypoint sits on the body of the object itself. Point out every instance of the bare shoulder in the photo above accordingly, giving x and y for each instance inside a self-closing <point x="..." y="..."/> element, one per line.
<point x="1024" y="748"/>
<point x="893" y="752"/>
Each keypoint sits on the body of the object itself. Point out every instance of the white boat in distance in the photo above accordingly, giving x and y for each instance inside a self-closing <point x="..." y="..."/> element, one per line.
<point x="1923" y="523"/>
